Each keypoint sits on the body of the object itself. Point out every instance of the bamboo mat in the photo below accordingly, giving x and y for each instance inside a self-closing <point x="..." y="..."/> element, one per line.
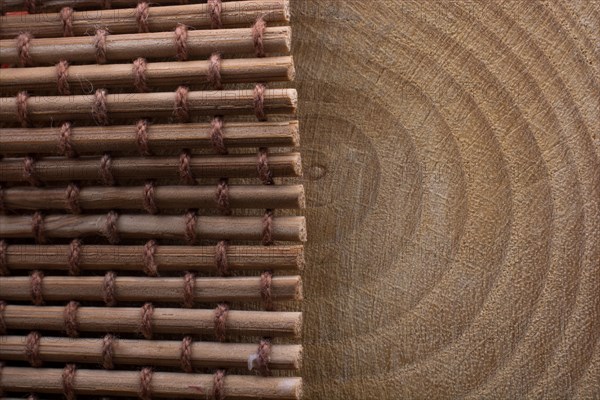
<point x="150" y="239"/>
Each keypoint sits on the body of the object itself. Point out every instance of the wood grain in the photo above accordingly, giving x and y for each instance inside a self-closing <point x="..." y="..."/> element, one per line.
<point x="451" y="154"/>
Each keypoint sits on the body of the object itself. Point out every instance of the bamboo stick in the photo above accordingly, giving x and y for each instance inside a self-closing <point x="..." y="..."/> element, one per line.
<point x="135" y="105"/>
<point x="164" y="320"/>
<point x="167" y="258"/>
<point x="163" y="384"/>
<point x="200" y="44"/>
<point x="86" y="78"/>
<point x="165" y="197"/>
<point x="233" y="14"/>
<point x="57" y="5"/>
<point x="122" y="138"/>
<point x="138" y="168"/>
<point x="169" y="290"/>
<point x="150" y="352"/>
<point x="154" y="227"/>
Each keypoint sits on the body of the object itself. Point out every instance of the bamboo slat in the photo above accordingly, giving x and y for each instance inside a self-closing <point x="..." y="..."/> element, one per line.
<point x="136" y="168"/>
<point x="139" y="289"/>
<point x="163" y="384"/>
<point x="57" y="5"/>
<point x="200" y="44"/>
<point x="48" y="109"/>
<point x="164" y="320"/>
<point x="167" y="258"/>
<point x="233" y="14"/>
<point x="123" y="138"/>
<point x="165" y="197"/>
<point x="86" y="78"/>
<point x="154" y="227"/>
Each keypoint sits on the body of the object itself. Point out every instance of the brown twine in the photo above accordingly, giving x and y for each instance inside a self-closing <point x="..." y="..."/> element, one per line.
<point x="214" y="71"/>
<point x="22" y="112"/>
<point x="222" y="196"/>
<point x="36" y="289"/>
<point x="106" y="4"/>
<point x="141" y="137"/>
<point x="259" y="101"/>
<point x="147" y="312"/>
<point x="141" y="17"/>
<point x="2" y="322"/>
<point x="145" y="392"/>
<point x="181" y="35"/>
<point x="65" y="147"/>
<point x="105" y="170"/>
<point x="214" y="10"/>
<point x="108" y="289"/>
<point x="70" y="319"/>
<point x="99" y="107"/>
<point x="264" y="171"/>
<point x="263" y="357"/>
<point x="62" y="77"/>
<point x="189" y="284"/>
<point x="72" y="198"/>
<point x="4" y="271"/>
<point x="266" y="278"/>
<point x="220" y="320"/>
<point x="216" y="135"/>
<point x="150" y="266"/>
<point x="181" y="108"/>
<point x="37" y="227"/>
<point x="267" y="228"/>
<point x="186" y="354"/>
<point x="100" y="45"/>
<point x="29" y="173"/>
<point x="219" y="385"/>
<point x="74" y="257"/>
<point x="108" y="351"/>
<point x="139" y="74"/>
<point x="190" y="227"/>
<point x="68" y="381"/>
<point x="221" y="261"/>
<point x="30" y="6"/>
<point x="32" y="349"/>
<point x="148" y="198"/>
<point x="258" y="34"/>
<point x="110" y="228"/>
<point x="23" y="44"/>
<point x="2" y="206"/>
<point x="66" y="15"/>
<point x="185" y="168"/>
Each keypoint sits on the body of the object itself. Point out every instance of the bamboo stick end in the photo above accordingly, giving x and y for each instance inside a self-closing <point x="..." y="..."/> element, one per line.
<point x="286" y="10"/>
<point x="300" y="261"/>
<point x="299" y="295"/>
<point x="301" y="198"/>
<point x="298" y="327"/>
<point x="291" y="72"/>
<point x="297" y="165"/>
<point x="295" y="131"/>
<point x="302" y="235"/>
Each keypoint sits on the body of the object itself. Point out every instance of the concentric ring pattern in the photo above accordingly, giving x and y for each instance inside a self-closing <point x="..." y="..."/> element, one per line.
<point x="453" y="179"/>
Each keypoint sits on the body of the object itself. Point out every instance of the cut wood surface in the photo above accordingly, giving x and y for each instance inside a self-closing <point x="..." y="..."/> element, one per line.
<point x="233" y="14"/>
<point x="163" y="384"/>
<point x="164" y="320"/>
<point x="200" y="44"/>
<point x="171" y="290"/>
<point x="167" y="258"/>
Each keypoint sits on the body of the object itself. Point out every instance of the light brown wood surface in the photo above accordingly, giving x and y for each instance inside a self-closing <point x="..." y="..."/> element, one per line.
<point x="451" y="155"/>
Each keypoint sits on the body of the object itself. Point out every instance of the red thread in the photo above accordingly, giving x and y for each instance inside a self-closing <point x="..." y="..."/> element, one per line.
<point x="214" y="71"/>
<point x="35" y="280"/>
<point x="185" y="169"/>
<point x="74" y="257"/>
<point x="22" y="112"/>
<point x="147" y="313"/>
<point x="99" y="107"/>
<point x="222" y="196"/>
<point x="181" y="35"/>
<point x="216" y="135"/>
<point x="182" y="110"/>
<point x="141" y="137"/>
<point x="190" y="227"/>
<point x="219" y="385"/>
<point x="66" y="15"/>
<point x="68" y="381"/>
<point x="189" y="285"/>
<point x="139" y="74"/>
<point x="214" y="10"/>
<point x="267" y="228"/>
<point x="150" y="266"/>
<point x="29" y="172"/>
<point x="2" y="322"/>
<point x="186" y="354"/>
<point x="264" y="171"/>
<point x="100" y="45"/>
<point x="23" y="44"/>
<point x="110" y="229"/>
<point x="220" y="320"/>
<point x="72" y="198"/>
<point x="264" y="357"/>
<point x="258" y="36"/>
<point x="149" y="202"/>
<point x="105" y="170"/>
<point x="108" y="351"/>
<point x="65" y="147"/>
<point x="266" y="278"/>
<point x="108" y="289"/>
<point x="141" y="17"/>
<point x="70" y="319"/>
<point x="37" y="227"/>
<point x="145" y="392"/>
<point x="62" y="77"/>
<point x="32" y="349"/>
<point x="259" y="101"/>
<point x="221" y="261"/>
